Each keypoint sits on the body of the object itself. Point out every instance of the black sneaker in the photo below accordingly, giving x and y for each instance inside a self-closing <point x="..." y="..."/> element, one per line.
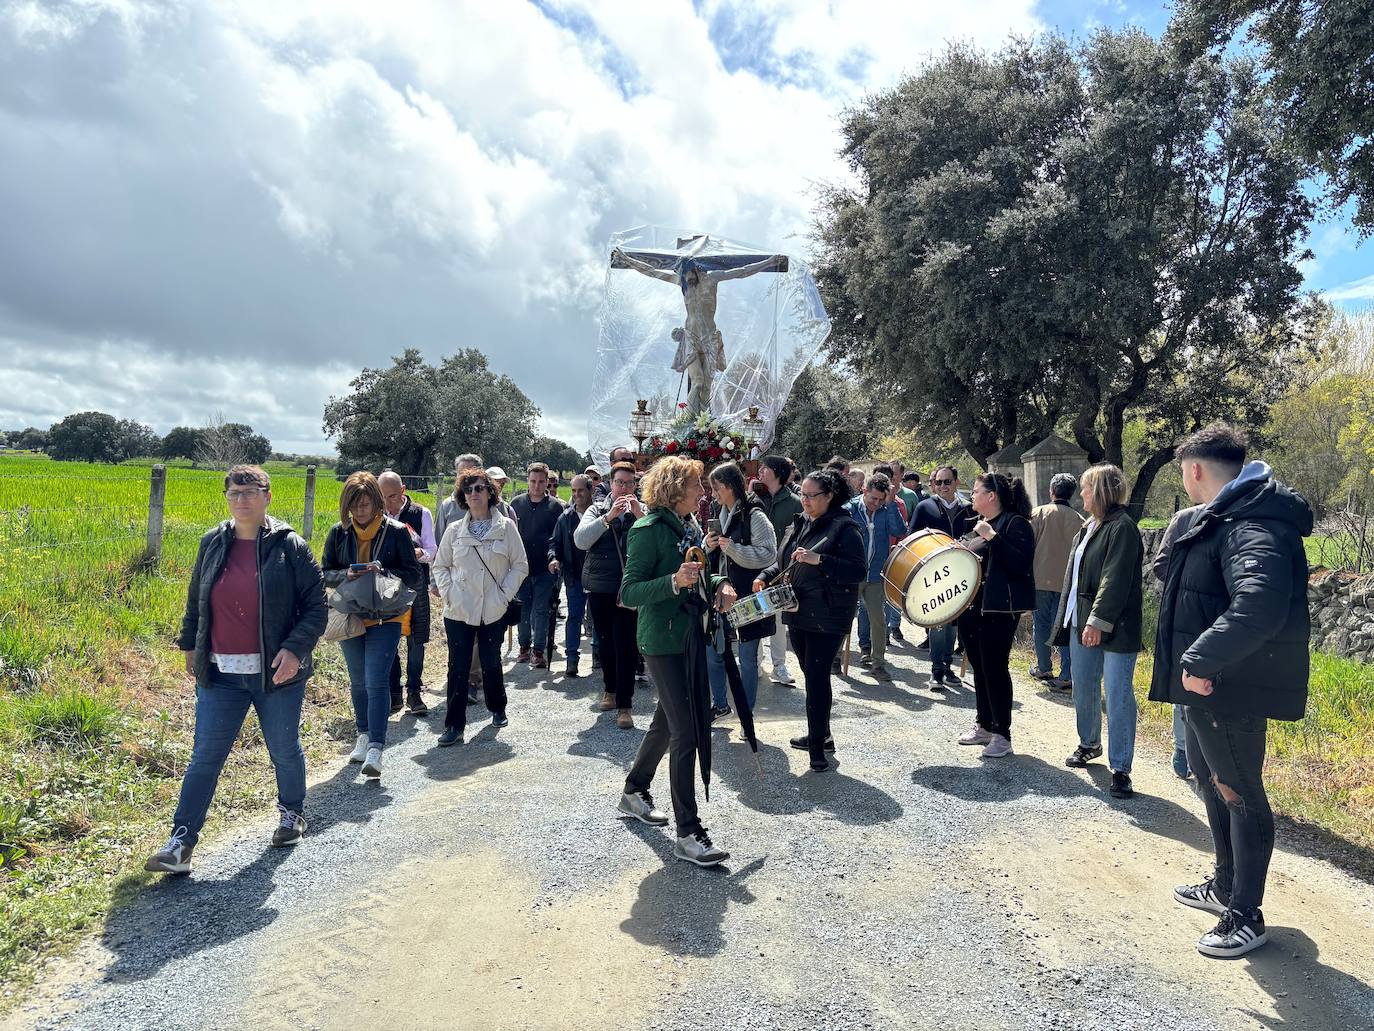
<point x="290" y="829"/>
<point x="1203" y="896"/>
<point x="396" y="704"/>
<point x="173" y="857"/>
<point x="450" y="736"/>
<point x="803" y="743"/>
<point x="719" y="712"/>
<point x="1121" y="785"/>
<point x="571" y="671"/>
<point x="498" y="719"/>
<point x="1236" y="933"/>
<point x="1082" y="755"/>
<point x="952" y="678"/>
<point x="896" y="634"/>
<point x="820" y="766"/>
<point x="1060" y="686"/>
<point x="865" y="659"/>
<point x="836" y="668"/>
<point x="415" y="704"/>
<point x="937" y="680"/>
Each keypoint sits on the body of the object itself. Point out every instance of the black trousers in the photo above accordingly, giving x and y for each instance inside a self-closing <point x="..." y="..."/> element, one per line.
<point x="987" y="643"/>
<point x="816" y="651"/>
<point x="670" y="732"/>
<point x="460" y="639"/>
<point x="616" y="628"/>
<point x="415" y="649"/>
<point x="1227" y="752"/>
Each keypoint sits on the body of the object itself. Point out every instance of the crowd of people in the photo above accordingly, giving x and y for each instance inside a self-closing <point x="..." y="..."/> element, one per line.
<point x="1230" y="651"/>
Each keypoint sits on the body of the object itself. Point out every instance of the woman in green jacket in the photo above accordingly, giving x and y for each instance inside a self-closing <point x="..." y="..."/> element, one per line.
<point x="1099" y="619"/>
<point x="659" y="583"/>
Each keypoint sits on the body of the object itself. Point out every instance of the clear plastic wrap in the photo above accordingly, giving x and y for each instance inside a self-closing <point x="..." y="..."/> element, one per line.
<point x="740" y="323"/>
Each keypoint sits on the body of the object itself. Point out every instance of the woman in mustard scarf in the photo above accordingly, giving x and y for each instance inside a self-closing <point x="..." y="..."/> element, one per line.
<point x="365" y="535"/>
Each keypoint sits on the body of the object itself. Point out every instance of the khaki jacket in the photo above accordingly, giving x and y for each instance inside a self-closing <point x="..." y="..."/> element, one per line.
<point x="1055" y="527"/>
<point x="469" y="594"/>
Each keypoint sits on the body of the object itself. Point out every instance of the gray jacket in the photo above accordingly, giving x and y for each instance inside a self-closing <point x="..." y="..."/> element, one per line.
<point x="605" y="547"/>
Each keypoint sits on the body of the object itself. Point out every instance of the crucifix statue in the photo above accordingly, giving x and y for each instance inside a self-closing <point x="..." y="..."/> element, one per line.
<point x="698" y="271"/>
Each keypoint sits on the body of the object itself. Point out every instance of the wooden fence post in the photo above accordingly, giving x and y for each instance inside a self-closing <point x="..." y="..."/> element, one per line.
<point x="309" y="520"/>
<point x="157" y="503"/>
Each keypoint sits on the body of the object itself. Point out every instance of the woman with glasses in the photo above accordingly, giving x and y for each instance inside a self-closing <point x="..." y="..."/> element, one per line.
<point x="479" y="569"/>
<point x="604" y="534"/>
<point x="254" y="610"/>
<point x="366" y="540"/>
<point x="1006" y="544"/>
<point x="823" y="551"/>
<point x="1099" y="618"/>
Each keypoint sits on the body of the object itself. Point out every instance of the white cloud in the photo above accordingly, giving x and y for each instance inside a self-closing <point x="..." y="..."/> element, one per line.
<point x="1356" y="290"/>
<point x="206" y="199"/>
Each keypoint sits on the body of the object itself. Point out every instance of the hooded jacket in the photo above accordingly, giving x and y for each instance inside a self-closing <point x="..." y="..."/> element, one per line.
<point x="1234" y="605"/>
<point x="291" y="608"/>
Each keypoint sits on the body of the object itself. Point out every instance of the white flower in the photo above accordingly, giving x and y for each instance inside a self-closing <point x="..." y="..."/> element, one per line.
<point x="727" y="444"/>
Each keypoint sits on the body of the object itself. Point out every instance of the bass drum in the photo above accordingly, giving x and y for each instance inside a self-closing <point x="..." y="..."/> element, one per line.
<point x="931" y="578"/>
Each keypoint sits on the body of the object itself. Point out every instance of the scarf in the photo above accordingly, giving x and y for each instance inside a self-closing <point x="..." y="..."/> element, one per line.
<point x="365" y="535"/>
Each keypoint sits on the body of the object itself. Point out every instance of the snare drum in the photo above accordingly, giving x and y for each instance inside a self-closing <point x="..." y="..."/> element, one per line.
<point x="931" y="578"/>
<point x="778" y="598"/>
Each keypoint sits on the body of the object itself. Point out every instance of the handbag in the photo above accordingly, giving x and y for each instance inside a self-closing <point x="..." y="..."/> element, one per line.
<point x="513" y="607"/>
<point x="341" y="626"/>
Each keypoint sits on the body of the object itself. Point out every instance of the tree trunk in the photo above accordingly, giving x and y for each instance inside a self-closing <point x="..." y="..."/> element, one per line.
<point x="1145" y="479"/>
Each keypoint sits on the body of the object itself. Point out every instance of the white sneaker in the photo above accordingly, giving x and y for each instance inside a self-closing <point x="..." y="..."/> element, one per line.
<point x="697" y="848"/>
<point x="359" y="752"/>
<point x="373" y="766"/>
<point x="781" y="676"/>
<point x="976" y="736"/>
<point x="997" y="747"/>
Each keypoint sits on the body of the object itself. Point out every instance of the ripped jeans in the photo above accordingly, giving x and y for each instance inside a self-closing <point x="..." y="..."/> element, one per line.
<point x="1227" y="754"/>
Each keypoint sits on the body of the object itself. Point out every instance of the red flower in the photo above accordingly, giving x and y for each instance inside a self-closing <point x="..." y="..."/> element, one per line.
<point x="672" y="447"/>
<point x="714" y="451"/>
<point x="682" y="404"/>
<point x="691" y="445"/>
<point x="657" y="442"/>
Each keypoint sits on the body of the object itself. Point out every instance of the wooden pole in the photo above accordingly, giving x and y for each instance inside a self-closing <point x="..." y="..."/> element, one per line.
<point x="308" y="527"/>
<point x="157" y="503"/>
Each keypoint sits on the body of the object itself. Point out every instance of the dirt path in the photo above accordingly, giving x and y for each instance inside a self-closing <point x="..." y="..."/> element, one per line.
<point x="491" y="886"/>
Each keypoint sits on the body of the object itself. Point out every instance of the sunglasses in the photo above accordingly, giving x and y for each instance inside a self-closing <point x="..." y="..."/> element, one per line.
<point x="941" y="483"/>
<point x="474" y="488"/>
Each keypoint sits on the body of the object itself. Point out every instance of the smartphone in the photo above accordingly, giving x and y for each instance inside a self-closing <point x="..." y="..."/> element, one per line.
<point x="359" y="567"/>
<point x="713" y="526"/>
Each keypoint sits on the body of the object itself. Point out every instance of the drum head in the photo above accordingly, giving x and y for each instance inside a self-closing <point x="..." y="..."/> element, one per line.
<point x="941" y="587"/>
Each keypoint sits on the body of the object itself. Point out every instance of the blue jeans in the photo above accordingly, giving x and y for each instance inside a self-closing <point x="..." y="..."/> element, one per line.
<point x="1046" y="608"/>
<point x="222" y="701"/>
<point x="1092" y="669"/>
<point x="370" y="657"/>
<point x="534" y="596"/>
<point x="577" y="610"/>
<point x="942" y="646"/>
<point x="894" y="617"/>
<point x="747" y="658"/>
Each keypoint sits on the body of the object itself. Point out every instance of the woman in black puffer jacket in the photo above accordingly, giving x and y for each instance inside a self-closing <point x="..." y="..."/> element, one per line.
<point x="823" y="551"/>
<point x="1006" y="544"/>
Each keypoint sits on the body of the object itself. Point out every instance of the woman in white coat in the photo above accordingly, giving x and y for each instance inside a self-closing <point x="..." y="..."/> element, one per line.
<point x="478" y="571"/>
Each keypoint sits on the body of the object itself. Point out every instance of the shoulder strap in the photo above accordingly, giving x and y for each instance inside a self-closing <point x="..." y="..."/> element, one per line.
<point x="478" y="552"/>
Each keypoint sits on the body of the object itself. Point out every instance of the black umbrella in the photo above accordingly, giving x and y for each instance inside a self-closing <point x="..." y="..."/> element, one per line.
<point x="698" y="683"/>
<point x="736" y="682"/>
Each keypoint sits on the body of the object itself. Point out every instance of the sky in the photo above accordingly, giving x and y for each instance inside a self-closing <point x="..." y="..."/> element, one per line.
<point x="234" y="207"/>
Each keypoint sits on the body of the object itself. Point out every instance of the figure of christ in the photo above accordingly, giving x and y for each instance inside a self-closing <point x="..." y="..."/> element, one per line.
<point x="700" y="351"/>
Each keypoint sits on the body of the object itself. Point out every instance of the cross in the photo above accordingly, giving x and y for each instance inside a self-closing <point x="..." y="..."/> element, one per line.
<point x="698" y="270"/>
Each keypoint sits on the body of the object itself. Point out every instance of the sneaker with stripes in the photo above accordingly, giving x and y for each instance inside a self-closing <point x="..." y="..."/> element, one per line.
<point x="1238" y="932"/>
<point x="1202" y="896"/>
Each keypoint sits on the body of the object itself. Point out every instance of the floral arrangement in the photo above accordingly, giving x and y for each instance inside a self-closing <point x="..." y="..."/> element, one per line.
<point x="702" y="438"/>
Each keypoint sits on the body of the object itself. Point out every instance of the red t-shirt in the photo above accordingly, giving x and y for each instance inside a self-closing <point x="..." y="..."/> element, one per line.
<point x="234" y="603"/>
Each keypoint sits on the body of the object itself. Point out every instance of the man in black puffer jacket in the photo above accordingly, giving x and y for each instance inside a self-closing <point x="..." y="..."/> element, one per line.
<point x="1232" y="649"/>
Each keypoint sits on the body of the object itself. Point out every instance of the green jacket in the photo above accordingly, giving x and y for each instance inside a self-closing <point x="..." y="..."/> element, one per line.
<point x="782" y="508"/>
<point x="1109" y="584"/>
<point x="652" y="556"/>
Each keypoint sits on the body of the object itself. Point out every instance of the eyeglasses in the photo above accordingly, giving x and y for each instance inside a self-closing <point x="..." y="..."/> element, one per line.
<point x="815" y="494"/>
<point x="245" y="494"/>
<point x="941" y="483"/>
<point x="474" y="488"/>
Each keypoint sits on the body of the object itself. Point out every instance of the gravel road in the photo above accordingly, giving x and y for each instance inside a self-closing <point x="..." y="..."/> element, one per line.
<point x="492" y="886"/>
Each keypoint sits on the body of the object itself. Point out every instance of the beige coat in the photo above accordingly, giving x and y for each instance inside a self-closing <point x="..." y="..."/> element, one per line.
<point x="469" y="594"/>
<point x="1055" y="527"/>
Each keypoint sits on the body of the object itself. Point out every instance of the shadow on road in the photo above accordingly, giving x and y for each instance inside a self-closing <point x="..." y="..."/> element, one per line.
<point x="1020" y="776"/>
<point x="478" y="751"/>
<point x="780" y="792"/>
<point x="1306" y="993"/>
<point x="680" y="907"/>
